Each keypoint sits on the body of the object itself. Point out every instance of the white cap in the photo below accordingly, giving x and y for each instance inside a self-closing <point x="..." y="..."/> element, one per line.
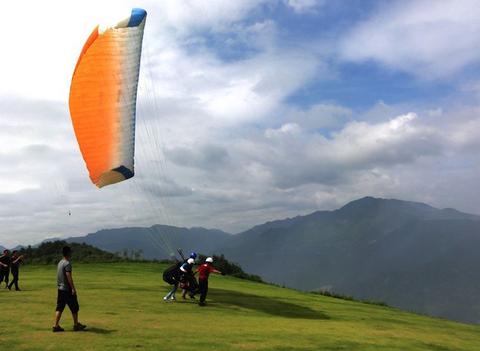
<point x="191" y="261"/>
<point x="209" y="259"/>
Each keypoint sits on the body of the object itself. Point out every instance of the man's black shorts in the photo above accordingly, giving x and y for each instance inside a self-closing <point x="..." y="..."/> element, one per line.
<point x="66" y="298"/>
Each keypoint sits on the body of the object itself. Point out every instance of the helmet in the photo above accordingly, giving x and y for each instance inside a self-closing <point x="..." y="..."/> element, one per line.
<point x="190" y="261"/>
<point x="193" y="255"/>
<point x="209" y="259"/>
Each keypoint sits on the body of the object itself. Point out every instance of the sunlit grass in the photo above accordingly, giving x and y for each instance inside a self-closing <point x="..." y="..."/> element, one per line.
<point x="122" y="305"/>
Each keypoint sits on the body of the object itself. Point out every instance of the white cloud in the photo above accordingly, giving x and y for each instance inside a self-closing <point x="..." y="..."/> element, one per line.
<point x="288" y="128"/>
<point x="465" y="133"/>
<point x="188" y="15"/>
<point x="293" y="158"/>
<point x="303" y="6"/>
<point x="208" y="156"/>
<point x="323" y="115"/>
<point x="49" y="35"/>
<point x="240" y="90"/>
<point x="396" y="141"/>
<point x="44" y="40"/>
<point x="428" y="38"/>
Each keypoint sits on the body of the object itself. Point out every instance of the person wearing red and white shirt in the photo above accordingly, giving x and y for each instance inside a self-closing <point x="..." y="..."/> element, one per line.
<point x="203" y="272"/>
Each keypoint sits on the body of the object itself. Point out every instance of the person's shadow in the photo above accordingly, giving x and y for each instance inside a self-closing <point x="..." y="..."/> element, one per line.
<point x="264" y="304"/>
<point x="97" y="330"/>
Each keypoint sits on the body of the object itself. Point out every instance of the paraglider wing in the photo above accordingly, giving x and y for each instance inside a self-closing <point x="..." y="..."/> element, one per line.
<point x="103" y="96"/>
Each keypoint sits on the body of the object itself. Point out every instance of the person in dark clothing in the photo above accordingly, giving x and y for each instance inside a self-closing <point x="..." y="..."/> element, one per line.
<point x="203" y="272"/>
<point x="188" y="278"/>
<point x="67" y="294"/>
<point x="14" y="267"/>
<point x="5" y="267"/>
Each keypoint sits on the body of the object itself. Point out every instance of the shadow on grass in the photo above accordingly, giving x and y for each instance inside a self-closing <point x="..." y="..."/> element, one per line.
<point x="264" y="304"/>
<point x="96" y="330"/>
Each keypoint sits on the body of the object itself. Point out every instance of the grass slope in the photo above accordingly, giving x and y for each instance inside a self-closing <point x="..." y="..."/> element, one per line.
<point x="122" y="305"/>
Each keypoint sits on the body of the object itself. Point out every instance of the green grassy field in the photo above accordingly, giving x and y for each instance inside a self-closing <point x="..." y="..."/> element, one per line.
<point x="123" y="308"/>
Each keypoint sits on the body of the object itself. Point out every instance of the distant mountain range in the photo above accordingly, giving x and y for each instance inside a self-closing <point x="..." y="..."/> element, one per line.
<point x="158" y="241"/>
<point x="407" y="254"/>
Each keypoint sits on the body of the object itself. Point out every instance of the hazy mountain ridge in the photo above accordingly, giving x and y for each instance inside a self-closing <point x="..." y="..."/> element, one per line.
<point x="157" y="241"/>
<point x="410" y="255"/>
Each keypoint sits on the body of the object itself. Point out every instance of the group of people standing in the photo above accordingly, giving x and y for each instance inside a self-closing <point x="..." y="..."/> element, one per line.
<point x="182" y="274"/>
<point x="10" y="263"/>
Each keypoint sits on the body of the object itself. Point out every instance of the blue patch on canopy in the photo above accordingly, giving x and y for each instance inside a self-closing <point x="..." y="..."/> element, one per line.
<point x="136" y="17"/>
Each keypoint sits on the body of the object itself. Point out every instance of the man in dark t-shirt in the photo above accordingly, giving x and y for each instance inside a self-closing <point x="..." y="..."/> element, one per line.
<point x="14" y="267"/>
<point x="66" y="293"/>
<point x="5" y="267"/>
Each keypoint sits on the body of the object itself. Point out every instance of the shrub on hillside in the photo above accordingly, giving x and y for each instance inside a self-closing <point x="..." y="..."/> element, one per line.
<point x="51" y="252"/>
<point x="232" y="269"/>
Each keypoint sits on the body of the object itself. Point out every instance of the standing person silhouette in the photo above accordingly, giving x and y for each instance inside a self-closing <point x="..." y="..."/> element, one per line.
<point x="5" y="267"/>
<point x="14" y="267"/>
<point x="203" y="272"/>
<point x="67" y="294"/>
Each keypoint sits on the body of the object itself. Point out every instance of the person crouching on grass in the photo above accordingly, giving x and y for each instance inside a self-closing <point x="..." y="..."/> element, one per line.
<point x="67" y="295"/>
<point x="203" y="272"/>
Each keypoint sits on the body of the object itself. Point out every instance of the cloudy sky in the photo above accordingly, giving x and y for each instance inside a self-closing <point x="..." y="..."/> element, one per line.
<point x="248" y="111"/>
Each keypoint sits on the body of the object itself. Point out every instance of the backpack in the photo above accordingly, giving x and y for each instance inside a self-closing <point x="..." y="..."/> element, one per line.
<point x="170" y="275"/>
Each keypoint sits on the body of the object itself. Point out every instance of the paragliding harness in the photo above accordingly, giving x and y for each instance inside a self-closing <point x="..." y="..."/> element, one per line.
<point x="189" y="282"/>
<point x="172" y="274"/>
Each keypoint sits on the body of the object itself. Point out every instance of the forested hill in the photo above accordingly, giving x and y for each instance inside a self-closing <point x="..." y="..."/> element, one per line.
<point x="51" y="253"/>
